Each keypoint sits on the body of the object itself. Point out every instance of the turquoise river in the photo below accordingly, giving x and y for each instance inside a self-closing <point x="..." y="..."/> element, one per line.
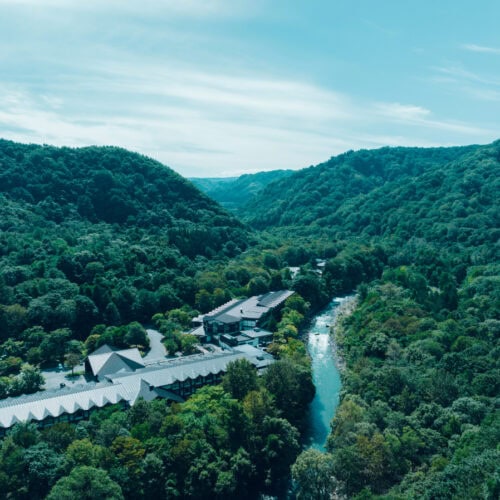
<point x="326" y="375"/>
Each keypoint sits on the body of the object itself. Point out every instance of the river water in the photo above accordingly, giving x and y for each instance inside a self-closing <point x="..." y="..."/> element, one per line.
<point x="326" y="376"/>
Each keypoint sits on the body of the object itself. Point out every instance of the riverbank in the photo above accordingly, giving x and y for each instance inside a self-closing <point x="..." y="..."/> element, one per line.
<point x="346" y="307"/>
<point x="325" y="369"/>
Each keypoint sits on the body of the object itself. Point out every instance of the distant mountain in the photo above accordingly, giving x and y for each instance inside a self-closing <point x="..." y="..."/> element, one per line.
<point x="233" y="192"/>
<point x="208" y="184"/>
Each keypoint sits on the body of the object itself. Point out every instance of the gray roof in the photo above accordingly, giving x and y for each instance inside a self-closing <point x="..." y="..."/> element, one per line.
<point x="256" y="356"/>
<point x="252" y="308"/>
<point x="199" y="331"/>
<point x="145" y="383"/>
<point x="227" y="318"/>
<point x="257" y="333"/>
<point x="104" y="349"/>
<point x="222" y="309"/>
<point x="179" y="370"/>
<point x="273" y="299"/>
<point x="110" y="361"/>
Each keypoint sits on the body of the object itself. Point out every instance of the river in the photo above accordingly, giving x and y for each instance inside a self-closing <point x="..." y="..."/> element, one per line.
<point x="326" y="375"/>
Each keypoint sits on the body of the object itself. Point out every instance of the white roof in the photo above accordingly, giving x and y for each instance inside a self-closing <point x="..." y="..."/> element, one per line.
<point x="125" y="386"/>
<point x="167" y="374"/>
<point x="54" y="403"/>
<point x="198" y="331"/>
<point x="256" y="333"/>
<point x="117" y="360"/>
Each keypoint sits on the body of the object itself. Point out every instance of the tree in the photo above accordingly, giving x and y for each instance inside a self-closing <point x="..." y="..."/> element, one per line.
<point x="297" y="303"/>
<point x="279" y="451"/>
<point x="204" y="301"/>
<point x="59" y="436"/>
<point x="86" y="483"/>
<point x="83" y="452"/>
<point x="86" y="314"/>
<point x="310" y="287"/>
<point x="259" y="404"/>
<point x="129" y="451"/>
<point x="240" y="378"/>
<point x="136" y="335"/>
<point x="153" y="477"/>
<point x="188" y="343"/>
<point x="28" y="381"/>
<point x="257" y="285"/>
<point x="292" y="387"/>
<point x="44" y="466"/>
<point x="313" y="472"/>
<point x="73" y="354"/>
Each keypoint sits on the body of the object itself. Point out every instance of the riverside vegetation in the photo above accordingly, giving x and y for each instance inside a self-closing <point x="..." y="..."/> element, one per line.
<point x="96" y="241"/>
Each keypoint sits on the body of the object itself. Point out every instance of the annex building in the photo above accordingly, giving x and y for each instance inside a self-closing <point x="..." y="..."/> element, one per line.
<point x="241" y="321"/>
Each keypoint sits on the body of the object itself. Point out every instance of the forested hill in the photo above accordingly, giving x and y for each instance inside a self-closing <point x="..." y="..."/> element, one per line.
<point x="100" y="235"/>
<point x="233" y="192"/>
<point x="416" y="232"/>
<point x="357" y="192"/>
<point x="103" y="184"/>
<point x="112" y="185"/>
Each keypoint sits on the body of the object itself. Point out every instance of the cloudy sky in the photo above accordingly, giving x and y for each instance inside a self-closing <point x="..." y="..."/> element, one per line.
<point x="222" y="87"/>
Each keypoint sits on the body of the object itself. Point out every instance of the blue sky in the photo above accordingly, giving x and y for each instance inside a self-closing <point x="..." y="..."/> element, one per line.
<point x="218" y="88"/>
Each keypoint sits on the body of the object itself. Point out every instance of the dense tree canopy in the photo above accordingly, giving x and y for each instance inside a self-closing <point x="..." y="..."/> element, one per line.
<point x="98" y="236"/>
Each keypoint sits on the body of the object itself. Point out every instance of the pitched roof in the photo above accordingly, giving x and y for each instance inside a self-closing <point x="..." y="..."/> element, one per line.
<point x="273" y="299"/>
<point x="178" y="370"/>
<point x="257" y="333"/>
<point x="104" y="349"/>
<point x="44" y="404"/>
<point x="145" y="383"/>
<point x="111" y="361"/>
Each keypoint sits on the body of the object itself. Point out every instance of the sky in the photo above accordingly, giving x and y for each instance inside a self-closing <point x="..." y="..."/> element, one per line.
<point x="218" y="88"/>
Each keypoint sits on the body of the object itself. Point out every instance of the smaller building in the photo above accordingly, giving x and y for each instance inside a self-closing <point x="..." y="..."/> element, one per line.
<point x="237" y="317"/>
<point x="107" y="360"/>
<point x="258" y="337"/>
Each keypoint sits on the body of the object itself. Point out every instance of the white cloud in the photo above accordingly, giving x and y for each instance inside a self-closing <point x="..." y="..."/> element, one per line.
<point x="468" y="84"/>
<point x="70" y="76"/>
<point x="481" y="48"/>
<point x="206" y="124"/>
<point x="404" y="112"/>
<point x="190" y="8"/>
<point x="412" y="115"/>
<point x="460" y="73"/>
<point x="483" y="94"/>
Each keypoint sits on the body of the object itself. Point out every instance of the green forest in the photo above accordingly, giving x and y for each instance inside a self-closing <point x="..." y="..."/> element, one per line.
<point x="97" y="243"/>
<point x="235" y="192"/>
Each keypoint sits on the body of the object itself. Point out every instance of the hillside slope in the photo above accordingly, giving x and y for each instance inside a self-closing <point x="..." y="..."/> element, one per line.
<point x="417" y="203"/>
<point x="416" y="231"/>
<point x="100" y="235"/>
<point x="318" y="195"/>
<point x="234" y="192"/>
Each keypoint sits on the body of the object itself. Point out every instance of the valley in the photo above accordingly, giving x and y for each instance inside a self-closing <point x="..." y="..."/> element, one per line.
<point x="99" y="244"/>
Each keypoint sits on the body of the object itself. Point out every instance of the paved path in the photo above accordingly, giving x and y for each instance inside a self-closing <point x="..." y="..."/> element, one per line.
<point x="54" y="377"/>
<point x="157" y="349"/>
